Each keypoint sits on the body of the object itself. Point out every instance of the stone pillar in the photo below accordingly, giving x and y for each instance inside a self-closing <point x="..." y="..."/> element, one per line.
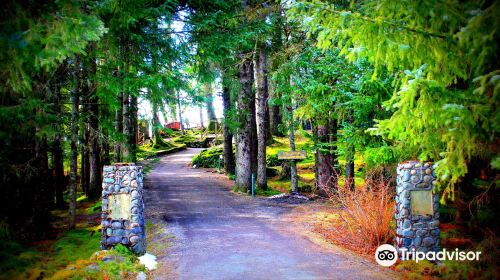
<point x="417" y="207"/>
<point x="123" y="208"/>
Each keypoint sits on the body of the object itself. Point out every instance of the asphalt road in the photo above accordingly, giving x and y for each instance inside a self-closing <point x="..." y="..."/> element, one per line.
<point x="221" y="235"/>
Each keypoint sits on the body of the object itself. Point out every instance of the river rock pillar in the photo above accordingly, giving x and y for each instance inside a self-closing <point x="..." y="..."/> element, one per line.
<point x="417" y="207"/>
<point x="123" y="208"/>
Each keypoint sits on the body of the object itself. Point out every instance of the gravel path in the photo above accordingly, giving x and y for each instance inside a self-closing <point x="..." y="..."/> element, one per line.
<point x="221" y="235"/>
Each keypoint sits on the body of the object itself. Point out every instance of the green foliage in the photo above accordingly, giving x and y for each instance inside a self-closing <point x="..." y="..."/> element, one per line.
<point x="209" y="158"/>
<point x="446" y="98"/>
<point x="383" y="155"/>
<point x="272" y="160"/>
<point x="39" y="38"/>
<point x="95" y="208"/>
<point x="116" y="270"/>
<point x="5" y="231"/>
<point x="124" y="251"/>
<point x="327" y="87"/>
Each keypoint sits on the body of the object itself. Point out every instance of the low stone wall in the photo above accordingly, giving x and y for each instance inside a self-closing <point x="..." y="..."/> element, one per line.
<point x="123" y="208"/>
<point x="418" y="220"/>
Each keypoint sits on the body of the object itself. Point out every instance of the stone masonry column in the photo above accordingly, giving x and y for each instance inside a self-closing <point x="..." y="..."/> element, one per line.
<point x="123" y="208"/>
<point x="417" y="207"/>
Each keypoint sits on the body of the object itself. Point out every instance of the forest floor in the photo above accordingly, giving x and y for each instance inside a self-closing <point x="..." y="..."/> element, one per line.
<point x="201" y="230"/>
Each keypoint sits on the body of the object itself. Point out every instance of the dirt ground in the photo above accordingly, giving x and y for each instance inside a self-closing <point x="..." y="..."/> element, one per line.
<point x="199" y="229"/>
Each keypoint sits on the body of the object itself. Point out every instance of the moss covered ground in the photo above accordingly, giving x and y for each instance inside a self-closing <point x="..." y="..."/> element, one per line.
<point x="145" y="152"/>
<point x="70" y="254"/>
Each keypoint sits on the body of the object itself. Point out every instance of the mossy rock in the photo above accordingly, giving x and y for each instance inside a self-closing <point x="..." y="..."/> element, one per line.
<point x="209" y="158"/>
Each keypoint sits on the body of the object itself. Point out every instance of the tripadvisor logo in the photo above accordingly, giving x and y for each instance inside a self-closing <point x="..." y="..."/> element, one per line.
<point x="387" y="255"/>
<point x="442" y="255"/>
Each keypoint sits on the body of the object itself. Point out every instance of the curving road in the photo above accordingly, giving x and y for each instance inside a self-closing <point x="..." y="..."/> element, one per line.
<point x="221" y="235"/>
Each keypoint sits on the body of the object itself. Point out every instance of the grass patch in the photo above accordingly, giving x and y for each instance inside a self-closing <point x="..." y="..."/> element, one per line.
<point x="284" y="186"/>
<point x="74" y="245"/>
<point x="147" y="165"/>
<point x="269" y="192"/>
<point x="15" y="258"/>
<point x="158" y="239"/>
<point x="306" y="176"/>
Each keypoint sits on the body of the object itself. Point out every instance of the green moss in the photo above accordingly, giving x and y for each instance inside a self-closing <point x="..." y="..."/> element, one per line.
<point x="269" y="192"/>
<point x="81" y="198"/>
<point x="209" y="158"/>
<point x="191" y="141"/>
<point x="74" y="245"/>
<point x="147" y="151"/>
<point x="15" y="258"/>
<point x="94" y="208"/>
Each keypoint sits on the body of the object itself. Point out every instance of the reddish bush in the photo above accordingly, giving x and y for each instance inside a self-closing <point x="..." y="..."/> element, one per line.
<point x="366" y="219"/>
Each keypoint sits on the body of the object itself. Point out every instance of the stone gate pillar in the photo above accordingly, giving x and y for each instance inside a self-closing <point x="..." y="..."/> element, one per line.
<point x="123" y="208"/>
<point x="417" y="207"/>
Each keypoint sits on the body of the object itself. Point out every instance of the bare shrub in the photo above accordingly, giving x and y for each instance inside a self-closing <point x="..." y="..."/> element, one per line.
<point x="366" y="219"/>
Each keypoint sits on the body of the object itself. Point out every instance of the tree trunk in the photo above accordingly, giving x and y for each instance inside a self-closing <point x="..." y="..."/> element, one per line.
<point x="269" y="135"/>
<point x="228" y="135"/>
<point x="253" y="132"/>
<point x="212" y="119"/>
<point x="180" y="111"/>
<point x="119" y="128"/>
<point x="57" y="150"/>
<point x="84" y="141"/>
<point x="132" y="140"/>
<point x="43" y="199"/>
<point x="314" y="129"/>
<point x="201" y="117"/>
<point x="325" y="157"/>
<point x="275" y="114"/>
<point x="156" y="126"/>
<point x="275" y="117"/>
<point x="262" y="116"/>
<point x="95" y="180"/>
<point x="244" y="140"/>
<point x="94" y="154"/>
<point x="349" y="159"/>
<point x="57" y="153"/>
<point x="105" y="148"/>
<point x="74" y="154"/>
<point x="293" y="164"/>
<point x="126" y="127"/>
